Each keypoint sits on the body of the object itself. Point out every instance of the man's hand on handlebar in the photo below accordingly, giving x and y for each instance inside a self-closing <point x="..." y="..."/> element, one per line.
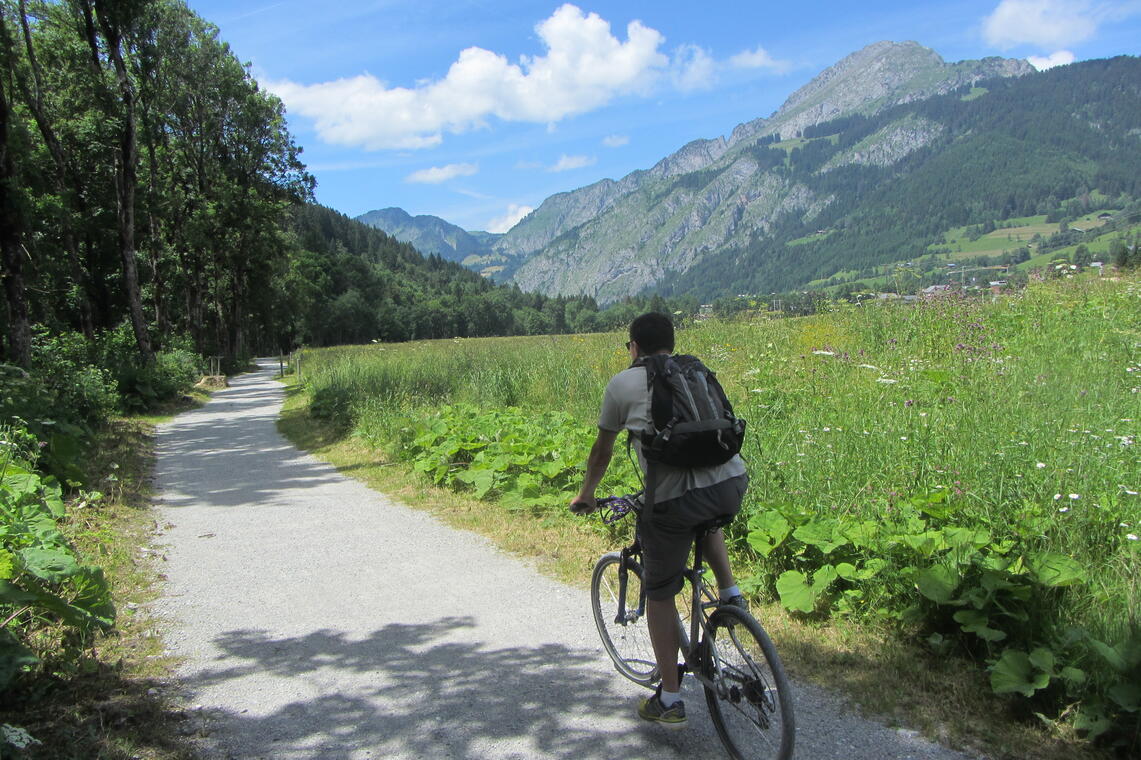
<point x="579" y="506"/>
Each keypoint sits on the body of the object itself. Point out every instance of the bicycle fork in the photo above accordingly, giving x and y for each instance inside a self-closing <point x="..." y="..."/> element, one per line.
<point x="623" y="615"/>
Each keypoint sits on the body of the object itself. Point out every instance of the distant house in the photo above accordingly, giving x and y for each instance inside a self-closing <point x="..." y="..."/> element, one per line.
<point x="935" y="291"/>
<point x="1104" y="217"/>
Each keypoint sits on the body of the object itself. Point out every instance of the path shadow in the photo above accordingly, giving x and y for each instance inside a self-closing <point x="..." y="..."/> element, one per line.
<point x="228" y="452"/>
<point x="432" y="698"/>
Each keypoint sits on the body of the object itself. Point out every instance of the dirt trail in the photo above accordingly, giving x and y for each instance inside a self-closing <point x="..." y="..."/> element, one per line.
<point x="319" y="619"/>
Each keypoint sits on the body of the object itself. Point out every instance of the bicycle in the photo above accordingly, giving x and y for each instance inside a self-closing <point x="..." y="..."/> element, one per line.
<point x="724" y="648"/>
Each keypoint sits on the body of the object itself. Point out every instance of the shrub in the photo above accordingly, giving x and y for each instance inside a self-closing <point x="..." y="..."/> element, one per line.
<point x="51" y="604"/>
<point x="141" y="386"/>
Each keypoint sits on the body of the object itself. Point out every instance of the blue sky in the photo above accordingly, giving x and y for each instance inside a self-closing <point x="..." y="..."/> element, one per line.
<point x="476" y="111"/>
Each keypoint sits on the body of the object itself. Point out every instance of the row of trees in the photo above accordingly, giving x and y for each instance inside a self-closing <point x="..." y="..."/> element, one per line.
<point x="146" y="180"/>
<point x="144" y="176"/>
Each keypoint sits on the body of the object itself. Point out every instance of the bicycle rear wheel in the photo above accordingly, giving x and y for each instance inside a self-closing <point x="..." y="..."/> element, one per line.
<point x="624" y="632"/>
<point x="750" y="700"/>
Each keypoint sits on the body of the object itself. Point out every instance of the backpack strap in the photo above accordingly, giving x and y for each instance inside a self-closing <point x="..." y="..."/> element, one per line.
<point x="661" y="412"/>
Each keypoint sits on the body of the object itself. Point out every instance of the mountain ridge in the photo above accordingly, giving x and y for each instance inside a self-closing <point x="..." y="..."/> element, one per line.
<point x="613" y="238"/>
<point x="430" y="234"/>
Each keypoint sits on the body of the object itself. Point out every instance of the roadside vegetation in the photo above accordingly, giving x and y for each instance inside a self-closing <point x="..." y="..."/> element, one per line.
<point x="944" y="499"/>
<point x="80" y="659"/>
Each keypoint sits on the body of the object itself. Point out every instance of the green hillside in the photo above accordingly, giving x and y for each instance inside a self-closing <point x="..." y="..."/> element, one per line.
<point x="1015" y="161"/>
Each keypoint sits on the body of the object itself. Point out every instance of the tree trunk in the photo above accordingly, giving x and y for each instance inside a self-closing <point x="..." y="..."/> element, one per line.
<point x="126" y="178"/>
<point x="11" y="224"/>
<point x="65" y="179"/>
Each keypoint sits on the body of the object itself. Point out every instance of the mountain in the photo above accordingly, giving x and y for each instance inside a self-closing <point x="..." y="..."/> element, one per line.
<point x="432" y="235"/>
<point x="861" y="194"/>
<point x="617" y="238"/>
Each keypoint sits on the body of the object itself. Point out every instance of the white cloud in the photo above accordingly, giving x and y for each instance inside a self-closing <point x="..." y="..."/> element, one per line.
<point x="585" y="67"/>
<point x="565" y="163"/>
<point x="503" y="223"/>
<point x="758" y="59"/>
<point x="438" y="174"/>
<point x="615" y="141"/>
<point x="1060" y="58"/>
<point x="1049" y="23"/>
<point x="693" y="68"/>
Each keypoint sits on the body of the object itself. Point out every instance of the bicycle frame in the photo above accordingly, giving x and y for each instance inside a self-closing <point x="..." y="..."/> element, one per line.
<point x="633" y="550"/>
<point x="689" y="641"/>
<point x="724" y="648"/>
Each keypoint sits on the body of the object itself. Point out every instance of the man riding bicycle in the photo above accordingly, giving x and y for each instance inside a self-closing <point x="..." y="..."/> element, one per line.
<point x="683" y="498"/>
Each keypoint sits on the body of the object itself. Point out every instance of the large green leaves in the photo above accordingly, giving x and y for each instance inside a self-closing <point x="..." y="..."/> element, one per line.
<point x="1056" y="570"/>
<point x="41" y="578"/>
<point x="1021" y="673"/>
<point x="767" y="531"/>
<point x="938" y="583"/>
<point x="799" y="593"/>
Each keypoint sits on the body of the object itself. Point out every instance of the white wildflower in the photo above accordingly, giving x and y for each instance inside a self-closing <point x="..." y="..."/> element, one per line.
<point x="1040" y="465"/>
<point x="886" y="380"/>
<point x="1064" y="509"/>
<point x="1057" y="496"/>
<point x="1131" y="536"/>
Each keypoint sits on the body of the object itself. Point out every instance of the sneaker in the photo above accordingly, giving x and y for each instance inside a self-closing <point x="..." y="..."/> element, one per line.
<point x="736" y="601"/>
<point x="651" y="709"/>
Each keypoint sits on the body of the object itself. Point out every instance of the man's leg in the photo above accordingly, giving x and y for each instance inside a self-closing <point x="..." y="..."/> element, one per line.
<point x="661" y="619"/>
<point x="717" y="555"/>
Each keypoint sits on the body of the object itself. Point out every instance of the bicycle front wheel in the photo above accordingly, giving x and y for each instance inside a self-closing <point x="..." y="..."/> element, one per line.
<point x="624" y="631"/>
<point x="749" y="700"/>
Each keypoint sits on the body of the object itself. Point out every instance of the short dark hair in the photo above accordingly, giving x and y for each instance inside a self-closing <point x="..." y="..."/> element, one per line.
<point x="653" y="332"/>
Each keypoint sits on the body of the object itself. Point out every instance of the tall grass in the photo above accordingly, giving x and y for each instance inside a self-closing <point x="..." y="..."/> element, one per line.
<point x="1021" y="413"/>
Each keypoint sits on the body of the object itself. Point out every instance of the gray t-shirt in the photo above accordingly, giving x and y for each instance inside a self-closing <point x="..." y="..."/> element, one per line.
<point x="626" y="406"/>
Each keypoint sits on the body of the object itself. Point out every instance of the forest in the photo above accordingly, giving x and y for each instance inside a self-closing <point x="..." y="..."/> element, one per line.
<point x="156" y="211"/>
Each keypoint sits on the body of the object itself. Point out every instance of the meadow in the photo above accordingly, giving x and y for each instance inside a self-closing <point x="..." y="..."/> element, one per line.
<point x="962" y="472"/>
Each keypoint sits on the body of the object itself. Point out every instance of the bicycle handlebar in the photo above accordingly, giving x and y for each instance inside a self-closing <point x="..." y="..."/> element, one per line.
<point x="611" y="509"/>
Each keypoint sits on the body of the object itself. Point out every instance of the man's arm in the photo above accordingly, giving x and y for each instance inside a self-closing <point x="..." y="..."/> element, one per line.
<point x="600" y="455"/>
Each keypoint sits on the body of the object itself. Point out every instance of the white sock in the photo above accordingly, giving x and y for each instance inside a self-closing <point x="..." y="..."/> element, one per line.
<point x="669" y="698"/>
<point x="729" y="593"/>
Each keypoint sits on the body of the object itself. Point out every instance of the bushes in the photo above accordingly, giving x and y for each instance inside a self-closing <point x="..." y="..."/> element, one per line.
<point x="51" y="604"/>
<point x="142" y="386"/>
<point x="74" y="386"/>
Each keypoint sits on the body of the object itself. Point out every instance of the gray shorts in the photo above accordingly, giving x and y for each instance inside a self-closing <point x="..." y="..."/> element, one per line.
<point x="667" y="535"/>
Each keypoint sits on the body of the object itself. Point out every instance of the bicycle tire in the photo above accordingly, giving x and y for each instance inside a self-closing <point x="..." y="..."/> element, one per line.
<point x="750" y="701"/>
<point x="628" y="643"/>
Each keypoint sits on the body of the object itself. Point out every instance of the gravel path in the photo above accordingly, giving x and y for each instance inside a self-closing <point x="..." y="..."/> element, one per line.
<point x="319" y="619"/>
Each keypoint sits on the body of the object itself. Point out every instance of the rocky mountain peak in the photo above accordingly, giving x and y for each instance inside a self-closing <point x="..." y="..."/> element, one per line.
<point x="869" y="80"/>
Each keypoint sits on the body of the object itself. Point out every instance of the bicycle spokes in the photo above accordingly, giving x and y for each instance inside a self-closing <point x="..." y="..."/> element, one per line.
<point x="748" y="695"/>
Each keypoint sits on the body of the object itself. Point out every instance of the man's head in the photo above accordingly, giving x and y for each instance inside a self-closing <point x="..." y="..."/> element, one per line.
<point x="653" y="332"/>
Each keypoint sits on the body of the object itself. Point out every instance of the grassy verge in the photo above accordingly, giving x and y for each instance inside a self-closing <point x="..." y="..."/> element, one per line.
<point x="114" y="705"/>
<point x="946" y="699"/>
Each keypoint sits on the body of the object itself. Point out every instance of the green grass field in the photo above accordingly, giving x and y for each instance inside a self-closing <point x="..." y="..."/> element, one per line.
<point x="963" y="473"/>
<point x="1011" y="238"/>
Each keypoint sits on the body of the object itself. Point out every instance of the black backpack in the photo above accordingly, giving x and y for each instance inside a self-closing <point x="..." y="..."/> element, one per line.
<point x="694" y="424"/>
